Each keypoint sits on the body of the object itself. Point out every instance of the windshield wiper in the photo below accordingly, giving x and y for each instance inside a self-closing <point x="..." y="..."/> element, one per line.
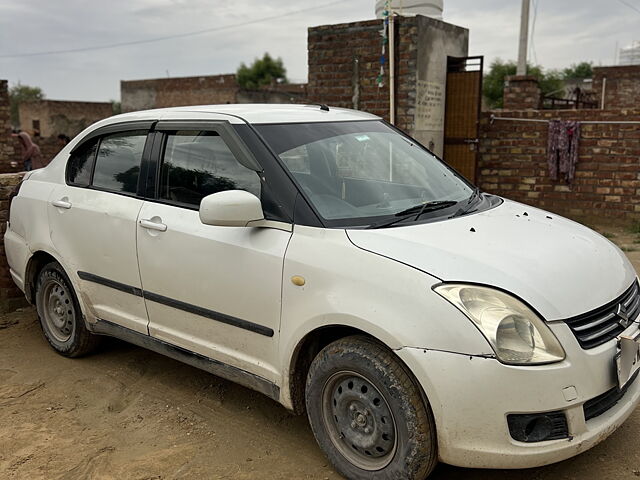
<point x="415" y="211"/>
<point x="469" y="207"/>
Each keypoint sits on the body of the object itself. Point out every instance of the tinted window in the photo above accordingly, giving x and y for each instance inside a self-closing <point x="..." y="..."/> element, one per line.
<point x="197" y="164"/>
<point x="80" y="165"/>
<point x="118" y="161"/>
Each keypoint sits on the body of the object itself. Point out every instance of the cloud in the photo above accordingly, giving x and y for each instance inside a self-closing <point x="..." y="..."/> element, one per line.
<point x="575" y="31"/>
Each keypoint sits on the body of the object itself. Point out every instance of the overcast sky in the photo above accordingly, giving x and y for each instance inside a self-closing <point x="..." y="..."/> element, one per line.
<point x="565" y="32"/>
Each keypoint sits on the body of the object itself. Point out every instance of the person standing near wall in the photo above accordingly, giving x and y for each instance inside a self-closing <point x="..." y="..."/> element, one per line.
<point x="31" y="156"/>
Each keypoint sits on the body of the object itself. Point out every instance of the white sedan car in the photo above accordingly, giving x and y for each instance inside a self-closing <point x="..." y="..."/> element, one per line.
<point x="329" y="261"/>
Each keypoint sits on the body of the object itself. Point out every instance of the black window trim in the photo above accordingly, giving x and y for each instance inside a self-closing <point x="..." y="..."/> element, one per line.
<point x="223" y="128"/>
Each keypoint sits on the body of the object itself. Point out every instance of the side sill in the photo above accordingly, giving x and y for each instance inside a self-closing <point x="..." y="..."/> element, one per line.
<point x="215" y="367"/>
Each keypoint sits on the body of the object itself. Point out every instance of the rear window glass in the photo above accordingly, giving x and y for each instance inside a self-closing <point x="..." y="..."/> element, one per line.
<point x="118" y="161"/>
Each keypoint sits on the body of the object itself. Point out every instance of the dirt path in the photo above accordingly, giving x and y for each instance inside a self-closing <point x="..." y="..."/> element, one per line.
<point x="126" y="413"/>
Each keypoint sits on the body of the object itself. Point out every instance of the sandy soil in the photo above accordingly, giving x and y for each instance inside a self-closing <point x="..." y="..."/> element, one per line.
<point x="126" y="413"/>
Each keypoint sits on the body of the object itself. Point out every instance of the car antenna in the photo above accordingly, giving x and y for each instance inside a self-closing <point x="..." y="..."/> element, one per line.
<point x="324" y="107"/>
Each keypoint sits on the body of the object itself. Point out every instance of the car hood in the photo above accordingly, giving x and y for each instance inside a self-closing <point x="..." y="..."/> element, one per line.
<point x="559" y="267"/>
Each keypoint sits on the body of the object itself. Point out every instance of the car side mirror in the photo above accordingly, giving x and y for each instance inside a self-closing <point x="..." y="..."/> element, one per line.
<point x="231" y="208"/>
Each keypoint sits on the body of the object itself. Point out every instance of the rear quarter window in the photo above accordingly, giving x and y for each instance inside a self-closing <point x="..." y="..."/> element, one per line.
<point x="80" y="165"/>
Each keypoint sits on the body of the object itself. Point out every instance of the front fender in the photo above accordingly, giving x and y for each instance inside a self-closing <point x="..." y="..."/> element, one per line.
<point x="347" y="286"/>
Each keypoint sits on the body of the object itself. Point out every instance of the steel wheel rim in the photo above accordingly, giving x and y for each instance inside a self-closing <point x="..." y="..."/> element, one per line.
<point x="58" y="311"/>
<point x="359" y="420"/>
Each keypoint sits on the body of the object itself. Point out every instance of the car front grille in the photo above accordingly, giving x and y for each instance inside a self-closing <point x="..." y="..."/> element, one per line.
<point x="602" y="324"/>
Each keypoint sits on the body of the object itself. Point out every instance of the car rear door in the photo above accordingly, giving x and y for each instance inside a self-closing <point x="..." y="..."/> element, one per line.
<point x="212" y="290"/>
<point x="93" y="220"/>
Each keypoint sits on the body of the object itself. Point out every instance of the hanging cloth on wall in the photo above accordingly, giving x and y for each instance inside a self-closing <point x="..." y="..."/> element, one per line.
<point x="562" y="149"/>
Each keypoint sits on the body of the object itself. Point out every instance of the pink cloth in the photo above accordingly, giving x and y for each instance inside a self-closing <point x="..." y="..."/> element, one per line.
<point x="562" y="149"/>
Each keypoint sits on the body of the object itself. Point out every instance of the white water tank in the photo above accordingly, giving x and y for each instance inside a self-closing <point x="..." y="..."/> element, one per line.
<point x="408" y="8"/>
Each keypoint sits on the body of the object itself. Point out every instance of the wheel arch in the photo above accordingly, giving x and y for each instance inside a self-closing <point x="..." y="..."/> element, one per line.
<point x="311" y="344"/>
<point x="36" y="262"/>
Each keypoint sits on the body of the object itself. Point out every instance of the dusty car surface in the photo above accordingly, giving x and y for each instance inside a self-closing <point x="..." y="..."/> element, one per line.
<point x="324" y="258"/>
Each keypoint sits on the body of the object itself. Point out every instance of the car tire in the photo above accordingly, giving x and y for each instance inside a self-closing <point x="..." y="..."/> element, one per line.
<point x="367" y="413"/>
<point x="60" y="315"/>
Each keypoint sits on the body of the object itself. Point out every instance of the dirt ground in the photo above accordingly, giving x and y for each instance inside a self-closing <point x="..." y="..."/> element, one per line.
<point x="126" y="413"/>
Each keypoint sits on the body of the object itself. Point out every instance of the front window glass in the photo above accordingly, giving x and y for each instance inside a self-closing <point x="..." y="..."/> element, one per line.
<point x="353" y="172"/>
<point x="118" y="161"/>
<point x="197" y="164"/>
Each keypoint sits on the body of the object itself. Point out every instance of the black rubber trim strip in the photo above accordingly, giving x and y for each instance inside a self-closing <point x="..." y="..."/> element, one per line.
<point x="235" y="374"/>
<point x="213" y="315"/>
<point x="90" y="277"/>
<point x="186" y="307"/>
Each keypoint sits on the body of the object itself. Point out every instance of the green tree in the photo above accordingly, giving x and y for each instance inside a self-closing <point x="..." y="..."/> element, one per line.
<point x="578" y="70"/>
<point x="116" y="107"/>
<point x="262" y="71"/>
<point x="550" y="81"/>
<point x="19" y="93"/>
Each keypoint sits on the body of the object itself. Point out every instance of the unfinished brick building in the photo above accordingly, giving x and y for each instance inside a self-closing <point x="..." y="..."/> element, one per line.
<point x="49" y="118"/>
<point x="201" y="90"/>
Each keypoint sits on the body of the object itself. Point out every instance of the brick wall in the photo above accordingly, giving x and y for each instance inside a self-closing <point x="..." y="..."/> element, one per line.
<point x="59" y="116"/>
<point x="10" y="296"/>
<point x="622" y="88"/>
<point x="513" y="164"/>
<point x="7" y="150"/>
<point x="179" y="91"/>
<point x="344" y="61"/>
<point x="521" y="92"/>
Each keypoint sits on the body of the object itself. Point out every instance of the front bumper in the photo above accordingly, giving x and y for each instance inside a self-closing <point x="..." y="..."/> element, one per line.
<point x="471" y="397"/>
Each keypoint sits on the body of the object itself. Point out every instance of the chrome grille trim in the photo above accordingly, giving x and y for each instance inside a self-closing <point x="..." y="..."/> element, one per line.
<point x="603" y="324"/>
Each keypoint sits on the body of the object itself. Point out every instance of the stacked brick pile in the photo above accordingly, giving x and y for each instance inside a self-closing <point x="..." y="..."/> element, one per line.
<point x="7" y="148"/>
<point x="10" y="296"/>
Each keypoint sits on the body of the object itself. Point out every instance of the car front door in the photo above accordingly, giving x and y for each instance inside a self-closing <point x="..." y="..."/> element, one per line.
<point x="213" y="290"/>
<point x="92" y="220"/>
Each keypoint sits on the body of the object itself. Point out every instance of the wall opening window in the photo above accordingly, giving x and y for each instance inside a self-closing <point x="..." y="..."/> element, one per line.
<point x="199" y="163"/>
<point x="118" y="161"/>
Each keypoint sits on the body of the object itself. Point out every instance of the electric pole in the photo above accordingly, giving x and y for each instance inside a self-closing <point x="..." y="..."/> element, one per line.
<point x="524" y="37"/>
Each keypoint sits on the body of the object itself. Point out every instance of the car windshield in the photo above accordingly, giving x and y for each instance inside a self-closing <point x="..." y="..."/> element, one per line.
<point x="358" y="173"/>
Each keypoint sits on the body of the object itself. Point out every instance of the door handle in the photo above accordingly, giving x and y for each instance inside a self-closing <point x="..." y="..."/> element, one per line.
<point x="61" y="204"/>
<point x="161" y="227"/>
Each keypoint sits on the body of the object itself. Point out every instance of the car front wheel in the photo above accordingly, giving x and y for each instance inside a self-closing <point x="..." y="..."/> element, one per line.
<point x="60" y="315"/>
<point x="367" y="414"/>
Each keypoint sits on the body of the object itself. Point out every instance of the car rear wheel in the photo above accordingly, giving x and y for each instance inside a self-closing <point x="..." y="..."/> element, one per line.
<point x="60" y="315"/>
<point x="367" y="414"/>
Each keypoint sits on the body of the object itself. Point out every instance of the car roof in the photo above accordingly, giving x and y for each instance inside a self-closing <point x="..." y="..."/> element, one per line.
<point x="250" y="113"/>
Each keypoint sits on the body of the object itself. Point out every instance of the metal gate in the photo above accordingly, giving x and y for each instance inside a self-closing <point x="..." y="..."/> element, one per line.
<point x="462" y="114"/>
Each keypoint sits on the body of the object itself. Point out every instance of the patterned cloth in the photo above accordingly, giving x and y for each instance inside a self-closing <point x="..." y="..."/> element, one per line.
<point x="562" y="149"/>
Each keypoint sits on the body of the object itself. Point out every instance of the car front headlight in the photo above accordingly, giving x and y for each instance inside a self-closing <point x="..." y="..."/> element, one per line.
<point x="514" y="331"/>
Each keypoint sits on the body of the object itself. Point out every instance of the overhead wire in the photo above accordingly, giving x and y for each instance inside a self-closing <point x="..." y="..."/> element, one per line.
<point x="169" y="37"/>
<point x="633" y="7"/>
